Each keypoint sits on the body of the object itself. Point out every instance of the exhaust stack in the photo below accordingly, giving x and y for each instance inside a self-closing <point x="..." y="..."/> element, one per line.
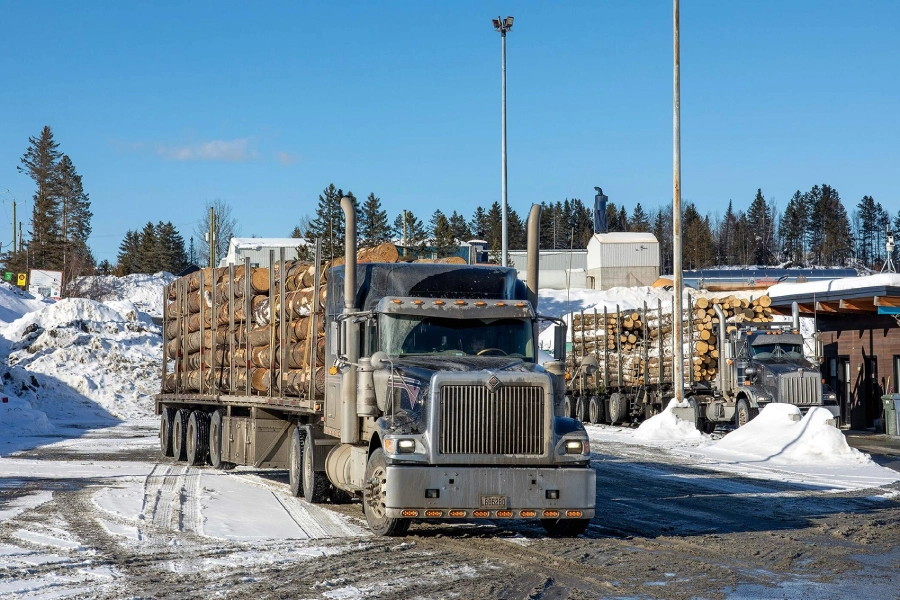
<point x="349" y="416"/>
<point x="534" y="227"/>
<point x="795" y="314"/>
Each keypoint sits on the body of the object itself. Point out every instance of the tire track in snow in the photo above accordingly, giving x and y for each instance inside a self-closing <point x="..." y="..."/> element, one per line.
<point x="316" y="522"/>
<point x="162" y="500"/>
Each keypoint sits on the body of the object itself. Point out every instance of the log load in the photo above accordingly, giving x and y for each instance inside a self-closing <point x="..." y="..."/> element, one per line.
<point x="635" y="348"/>
<point x="224" y="336"/>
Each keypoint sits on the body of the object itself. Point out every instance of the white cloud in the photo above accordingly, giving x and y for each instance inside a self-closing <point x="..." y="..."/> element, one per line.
<point x="287" y="158"/>
<point x="239" y="150"/>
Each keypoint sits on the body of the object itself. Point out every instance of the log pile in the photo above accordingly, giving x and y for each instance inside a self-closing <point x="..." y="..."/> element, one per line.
<point x="224" y="334"/>
<point x="636" y="347"/>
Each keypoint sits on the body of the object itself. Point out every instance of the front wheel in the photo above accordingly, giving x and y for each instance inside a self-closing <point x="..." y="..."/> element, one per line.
<point x="744" y="413"/>
<point x="373" y="499"/>
<point x="569" y="407"/>
<point x="565" y="527"/>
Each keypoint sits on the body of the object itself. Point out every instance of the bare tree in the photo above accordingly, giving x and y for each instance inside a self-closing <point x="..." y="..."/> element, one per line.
<point x="226" y="228"/>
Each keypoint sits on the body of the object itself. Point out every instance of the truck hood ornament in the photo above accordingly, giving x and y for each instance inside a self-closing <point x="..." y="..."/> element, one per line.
<point x="493" y="383"/>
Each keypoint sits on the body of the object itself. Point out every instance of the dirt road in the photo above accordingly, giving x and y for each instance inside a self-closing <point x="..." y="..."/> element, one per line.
<point x="665" y="529"/>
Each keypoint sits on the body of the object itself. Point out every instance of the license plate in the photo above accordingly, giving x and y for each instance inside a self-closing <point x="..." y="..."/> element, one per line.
<point x="493" y="502"/>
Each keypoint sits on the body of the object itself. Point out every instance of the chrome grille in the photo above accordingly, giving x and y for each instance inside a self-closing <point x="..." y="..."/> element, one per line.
<point x="475" y="420"/>
<point x="805" y="390"/>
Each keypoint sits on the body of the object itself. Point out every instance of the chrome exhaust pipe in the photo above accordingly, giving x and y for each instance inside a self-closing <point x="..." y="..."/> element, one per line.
<point x="795" y="314"/>
<point x="349" y="416"/>
<point x="534" y="241"/>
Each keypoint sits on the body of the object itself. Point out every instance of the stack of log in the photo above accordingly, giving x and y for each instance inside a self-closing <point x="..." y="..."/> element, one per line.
<point x="240" y="350"/>
<point x="638" y="345"/>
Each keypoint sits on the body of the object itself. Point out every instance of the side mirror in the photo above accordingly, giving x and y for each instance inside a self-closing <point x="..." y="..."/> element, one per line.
<point x="589" y="364"/>
<point x="380" y="360"/>
<point x="559" y="341"/>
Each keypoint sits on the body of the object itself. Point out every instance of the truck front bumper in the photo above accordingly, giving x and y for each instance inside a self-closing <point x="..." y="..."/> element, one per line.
<point x="486" y="492"/>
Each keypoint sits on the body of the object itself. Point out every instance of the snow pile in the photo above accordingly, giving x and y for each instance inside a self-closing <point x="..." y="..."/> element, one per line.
<point x="668" y="427"/>
<point x="14" y="303"/>
<point x="145" y="292"/>
<point x="77" y="357"/>
<point x="778" y="435"/>
<point x="18" y="417"/>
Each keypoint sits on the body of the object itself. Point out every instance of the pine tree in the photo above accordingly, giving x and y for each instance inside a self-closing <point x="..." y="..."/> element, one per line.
<point x="373" y="223"/>
<point x="698" y="250"/>
<point x="328" y="222"/>
<point x="760" y="220"/>
<point x="639" y="219"/>
<point x="725" y="236"/>
<point x="173" y="257"/>
<point x="75" y="219"/>
<point x="866" y="218"/>
<point x="581" y="221"/>
<point x="40" y="163"/>
<point x="612" y="217"/>
<point x="793" y="230"/>
<point x="478" y="226"/>
<point x="443" y="241"/>
<point x="459" y="229"/>
<point x="130" y="253"/>
<point x="494" y="227"/>
<point x="516" y="231"/>
<point x="829" y="228"/>
<point x="416" y="238"/>
<point x="150" y="256"/>
<point x="662" y="229"/>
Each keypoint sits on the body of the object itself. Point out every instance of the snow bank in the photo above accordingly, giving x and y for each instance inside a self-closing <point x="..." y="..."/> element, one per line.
<point x="667" y="427"/>
<point x="778" y="435"/>
<point x="14" y="303"/>
<point x="81" y="356"/>
<point x="145" y="292"/>
<point x="18" y="417"/>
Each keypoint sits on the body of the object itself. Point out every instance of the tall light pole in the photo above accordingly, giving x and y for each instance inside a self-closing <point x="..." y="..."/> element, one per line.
<point x="503" y="25"/>
<point x="676" y="214"/>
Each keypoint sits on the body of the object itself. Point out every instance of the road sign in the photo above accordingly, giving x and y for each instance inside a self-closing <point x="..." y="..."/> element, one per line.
<point x="21" y="280"/>
<point x="8" y="276"/>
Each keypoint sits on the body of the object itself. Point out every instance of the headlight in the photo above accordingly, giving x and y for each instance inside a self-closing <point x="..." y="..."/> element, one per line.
<point x="578" y="447"/>
<point x="399" y="445"/>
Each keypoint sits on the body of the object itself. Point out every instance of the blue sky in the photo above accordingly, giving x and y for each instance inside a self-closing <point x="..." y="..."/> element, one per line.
<point x="165" y="106"/>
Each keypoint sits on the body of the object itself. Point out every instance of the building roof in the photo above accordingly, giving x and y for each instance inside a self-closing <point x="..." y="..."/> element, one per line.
<point x="625" y="237"/>
<point x="257" y="243"/>
<point x="873" y="294"/>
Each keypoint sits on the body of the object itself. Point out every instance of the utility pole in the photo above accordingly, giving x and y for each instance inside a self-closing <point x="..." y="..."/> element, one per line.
<point x="212" y="237"/>
<point x="15" y="247"/>
<point x="676" y="216"/>
<point x="404" y="232"/>
<point x="503" y="25"/>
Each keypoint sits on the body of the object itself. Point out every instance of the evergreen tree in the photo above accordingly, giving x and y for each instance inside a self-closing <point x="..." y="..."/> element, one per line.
<point x="612" y="217"/>
<point x="170" y="244"/>
<point x="459" y="229"/>
<point x="623" y="224"/>
<point x="548" y="218"/>
<point x="662" y="229"/>
<point x="192" y="256"/>
<point x="130" y="253"/>
<point x="416" y="238"/>
<point x="760" y="219"/>
<point x="150" y="255"/>
<point x="725" y="237"/>
<point x="516" y="231"/>
<point x="328" y="222"/>
<point x="40" y="164"/>
<point x="443" y="242"/>
<point x="581" y="221"/>
<point x="478" y="226"/>
<point x="373" y="223"/>
<point x="793" y="230"/>
<point x="494" y="227"/>
<point x="75" y="219"/>
<point x="639" y="219"/>
<point x="698" y="250"/>
<point x="829" y="230"/>
<point x="104" y="268"/>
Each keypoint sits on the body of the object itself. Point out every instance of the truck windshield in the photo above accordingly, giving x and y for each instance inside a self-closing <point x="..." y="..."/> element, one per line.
<point x="764" y="351"/>
<point x="416" y="334"/>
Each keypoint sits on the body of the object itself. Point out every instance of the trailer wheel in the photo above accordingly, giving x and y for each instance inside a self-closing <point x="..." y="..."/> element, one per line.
<point x="197" y="438"/>
<point x="618" y="408"/>
<point x="295" y="464"/>
<point x="166" y="420"/>
<point x="565" y="527"/>
<point x="179" y="431"/>
<point x="216" y="431"/>
<point x="579" y="408"/>
<point x="373" y="499"/>
<point x="315" y="484"/>
<point x="595" y="410"/>
<point x="744" y="413"/>
<point x="569" y="407"/>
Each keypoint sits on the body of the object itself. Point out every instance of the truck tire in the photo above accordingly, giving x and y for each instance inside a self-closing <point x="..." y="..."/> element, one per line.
<point x="565" y="527"/>
<point x="744" y="413"/>
<point x="216" y="431"/>
<point x="569" y="407"/>
<point x="295" y="463"/>
<point x="618" y="408"/>
<point x="699" y="417"/>
<point x="197" y="438"/>
<point x="579" y="408"/>
<point x="315" y="483"/>
<point x="179" y="431"/>
<point x="166" y="420"/>
<point x="595" y="410"/>
<point x="373" y="499"/>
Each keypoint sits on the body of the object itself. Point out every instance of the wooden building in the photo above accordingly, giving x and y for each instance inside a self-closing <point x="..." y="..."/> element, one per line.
<point x="858" y="321"/>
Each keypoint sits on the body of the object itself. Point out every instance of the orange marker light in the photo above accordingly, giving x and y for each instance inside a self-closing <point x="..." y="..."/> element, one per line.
<point x="418" y="302"/>
<point x="551" y="514"/>
<point x="528" y="513"/>
<point x="460" y="302"/>
<point x="409" y="513"/>
<point x="480" y="303"/>
<point x="433" y="513"/>
<point x="501" y="304"/>
<point x="481" y="513"/>
<point x="440" y="302"/>
<point x="504" y="513"/>
<point x="397" y="301"/>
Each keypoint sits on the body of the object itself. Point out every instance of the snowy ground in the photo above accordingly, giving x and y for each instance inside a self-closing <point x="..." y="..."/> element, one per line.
<point x="780" y="508"/>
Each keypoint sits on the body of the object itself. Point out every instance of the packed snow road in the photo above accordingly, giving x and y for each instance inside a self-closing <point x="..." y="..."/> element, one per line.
<point x="101" y="516"/>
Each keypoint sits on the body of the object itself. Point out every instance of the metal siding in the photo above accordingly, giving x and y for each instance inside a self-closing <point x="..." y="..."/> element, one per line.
<point x="550" y="260"/>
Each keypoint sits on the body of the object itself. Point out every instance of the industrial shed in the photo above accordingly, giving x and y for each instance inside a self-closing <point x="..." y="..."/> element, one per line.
<point x="257" y="249"/>
<point x="557" y="269"/>
<point x="621" y="259"/>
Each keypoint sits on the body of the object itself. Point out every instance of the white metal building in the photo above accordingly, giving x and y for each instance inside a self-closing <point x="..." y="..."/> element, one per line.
<point x="622" y="259"/>
<point x="258" y="250"/>
<point x="557" y="269"/>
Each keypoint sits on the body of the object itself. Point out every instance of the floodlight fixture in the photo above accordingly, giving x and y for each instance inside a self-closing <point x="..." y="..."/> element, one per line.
<point x="496" y="24"/>
<point x="509" y="22"/>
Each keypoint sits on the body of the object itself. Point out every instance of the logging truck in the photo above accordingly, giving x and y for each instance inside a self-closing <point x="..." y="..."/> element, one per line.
<point x="621" y="365"/>
<point x="411" y="387"/>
